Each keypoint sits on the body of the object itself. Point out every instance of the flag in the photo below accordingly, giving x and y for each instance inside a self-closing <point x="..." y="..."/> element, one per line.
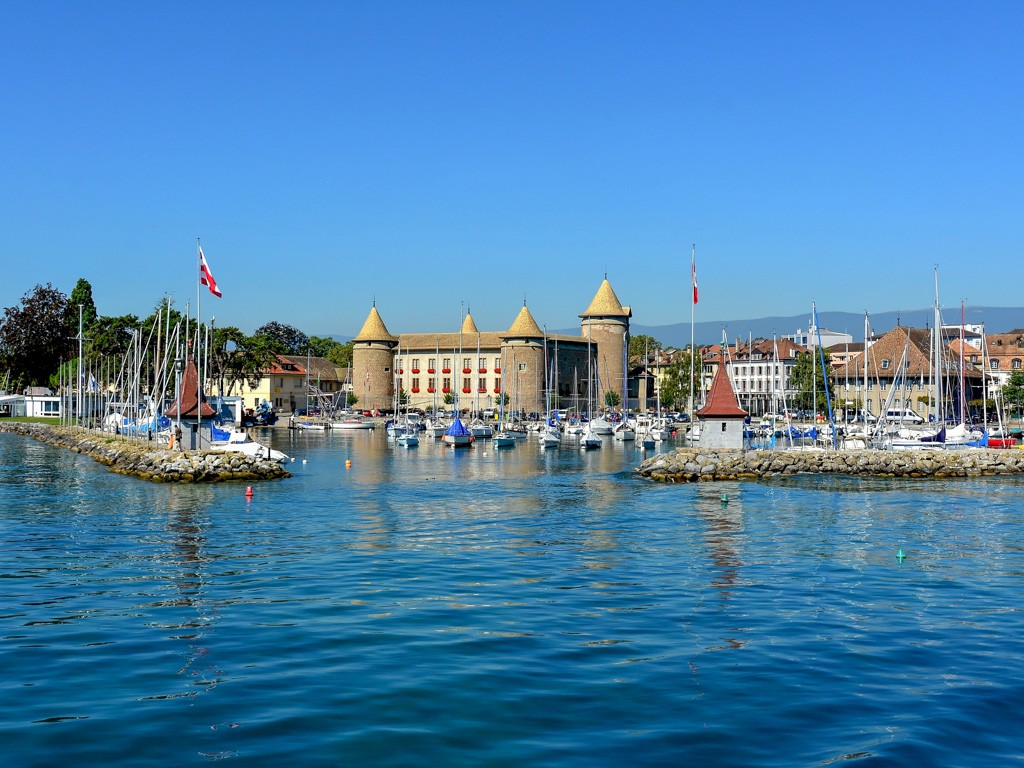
<point x="205" y="276"/>
<point x="693" y="275"/>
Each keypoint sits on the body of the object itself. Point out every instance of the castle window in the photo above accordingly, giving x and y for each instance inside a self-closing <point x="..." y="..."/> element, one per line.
<point x="995" y="365"/>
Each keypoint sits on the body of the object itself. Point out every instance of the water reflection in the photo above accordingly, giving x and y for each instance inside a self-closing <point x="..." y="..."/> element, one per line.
<point x="192" y="615"/>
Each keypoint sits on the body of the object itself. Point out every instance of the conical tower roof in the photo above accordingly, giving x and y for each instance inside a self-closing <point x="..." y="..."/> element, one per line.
<point x="469" y="325"/>
<point x="525" y="326"/>
<point x="606" y="304"/>
<point x="192" y="403"/>
<point x="374" y="328"/>
<point x="721" y="398"/>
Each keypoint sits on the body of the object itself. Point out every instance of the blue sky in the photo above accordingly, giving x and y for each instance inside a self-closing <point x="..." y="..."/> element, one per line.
<point x="430" y="155"/>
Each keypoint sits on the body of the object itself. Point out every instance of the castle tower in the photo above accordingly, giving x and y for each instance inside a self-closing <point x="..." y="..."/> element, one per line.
<point x="373" y="357"/>
<point x="522" y="346"/>
<point x="469" y="325"/>
<point x="606" y="323"/>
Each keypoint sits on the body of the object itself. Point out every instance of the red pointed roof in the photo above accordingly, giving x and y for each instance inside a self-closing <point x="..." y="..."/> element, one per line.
<point x="721" y="400"/>
<point x="190" y="405"/>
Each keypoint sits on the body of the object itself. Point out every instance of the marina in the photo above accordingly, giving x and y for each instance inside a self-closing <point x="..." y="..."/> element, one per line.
<point x="470" y="606"/>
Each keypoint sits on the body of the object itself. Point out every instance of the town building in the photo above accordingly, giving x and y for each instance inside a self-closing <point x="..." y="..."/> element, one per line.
<point x="761" y="372"/>
<point x="810" y="338"/>
<point x="896" y="373"/>
<point x="287" y="384"/>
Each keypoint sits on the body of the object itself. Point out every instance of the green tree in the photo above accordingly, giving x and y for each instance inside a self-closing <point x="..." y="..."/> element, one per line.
<point x="251" y="359"/>
<point x="294" y="341"/>
<point x="81" y="294"/>
<point x="112" y="336"/>
<point x="807" y="379"/>
<point x="338" y="353"/>
<point x="37" y="335"/>
<point x="640" y="344"/>
<point x="611" y="398"/>
<point x="1013" y="391"/>
<point x="676" y="384"/>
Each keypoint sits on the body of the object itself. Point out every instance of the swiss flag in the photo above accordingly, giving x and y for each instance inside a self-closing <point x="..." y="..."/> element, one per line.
<point x="206" y="277"/>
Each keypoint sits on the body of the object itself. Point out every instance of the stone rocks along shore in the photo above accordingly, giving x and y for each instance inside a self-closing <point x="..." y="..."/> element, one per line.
<point x="688" y="465"/>
<point x="128" y="457"/>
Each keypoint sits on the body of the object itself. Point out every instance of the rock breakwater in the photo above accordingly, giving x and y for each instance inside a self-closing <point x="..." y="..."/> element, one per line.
<point x="688" y="465"/>
<point x="127" y="457"/>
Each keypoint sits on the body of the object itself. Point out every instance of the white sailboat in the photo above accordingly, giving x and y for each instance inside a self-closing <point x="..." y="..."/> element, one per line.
<point x="590" y="439"/>
<point x="550" y="436"/>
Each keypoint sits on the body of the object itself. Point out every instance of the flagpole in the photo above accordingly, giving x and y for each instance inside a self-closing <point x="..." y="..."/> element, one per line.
<point x="199" y="338"/>
<point x="693" y="306"/>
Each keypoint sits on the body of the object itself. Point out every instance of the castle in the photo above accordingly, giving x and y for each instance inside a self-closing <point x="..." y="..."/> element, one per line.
<point x="478" y="367"/>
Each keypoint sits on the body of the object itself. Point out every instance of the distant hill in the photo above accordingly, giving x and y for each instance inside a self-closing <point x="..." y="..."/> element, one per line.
<point x="996" y="320"/>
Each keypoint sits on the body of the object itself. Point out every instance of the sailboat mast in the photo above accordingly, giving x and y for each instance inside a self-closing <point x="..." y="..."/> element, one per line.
<point x="963" y="392"/>
<point x="937" y="351"/>
<point x="693" y="307"/>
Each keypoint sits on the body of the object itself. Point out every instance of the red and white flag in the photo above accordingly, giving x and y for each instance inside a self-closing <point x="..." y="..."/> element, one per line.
<point x="205" y="276"/>
<point x="693" y="273"/>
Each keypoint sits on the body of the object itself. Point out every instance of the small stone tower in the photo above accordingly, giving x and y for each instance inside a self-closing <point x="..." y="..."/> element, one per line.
<point x="721" y="417"/>
<point x="373" y="358"/>
<point x="606" y="324"/>
<point x="522" y="346"/>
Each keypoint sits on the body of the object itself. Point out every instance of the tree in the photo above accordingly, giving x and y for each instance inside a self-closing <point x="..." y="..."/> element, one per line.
<point x="640" y="344"/>
<point x="37" y="336"/>
<point x="294" y="341"/>
<point x="339" y="354"/>
<point x="81" y="294"/>
<point x="1013" y="390"/>
<point x="807" y="379"/>
<point x="611" y="398"/>
<point x="252" y="357"/>
<point x="676" y="384"/>
<point x="111" y="336"/>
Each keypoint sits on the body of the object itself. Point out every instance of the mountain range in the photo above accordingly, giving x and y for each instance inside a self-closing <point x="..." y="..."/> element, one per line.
<point x="995" y="319"/>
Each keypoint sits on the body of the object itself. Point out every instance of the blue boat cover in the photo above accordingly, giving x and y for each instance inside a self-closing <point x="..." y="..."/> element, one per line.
<point x="457" y="428"/>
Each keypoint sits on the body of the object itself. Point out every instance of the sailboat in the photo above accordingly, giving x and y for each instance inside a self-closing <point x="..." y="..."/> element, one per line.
<point x="435" y="426"/>
<point x="550" y="436"/>
<point x="408" y="438"/>
<point x="590" y="439"/>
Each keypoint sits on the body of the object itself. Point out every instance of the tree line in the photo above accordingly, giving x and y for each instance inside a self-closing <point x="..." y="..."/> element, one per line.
<point x="39" y="340"/>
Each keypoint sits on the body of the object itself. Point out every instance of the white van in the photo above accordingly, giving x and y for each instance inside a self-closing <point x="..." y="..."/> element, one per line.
<point x="902" y="416"/>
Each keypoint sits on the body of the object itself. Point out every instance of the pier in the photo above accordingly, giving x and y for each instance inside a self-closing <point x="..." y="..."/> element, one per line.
<point x="689" y="465"/>
<point x="149" y="462"/>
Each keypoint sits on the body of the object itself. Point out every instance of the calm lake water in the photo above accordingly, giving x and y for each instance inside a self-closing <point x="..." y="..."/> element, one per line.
<point x="504" y="607"/>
